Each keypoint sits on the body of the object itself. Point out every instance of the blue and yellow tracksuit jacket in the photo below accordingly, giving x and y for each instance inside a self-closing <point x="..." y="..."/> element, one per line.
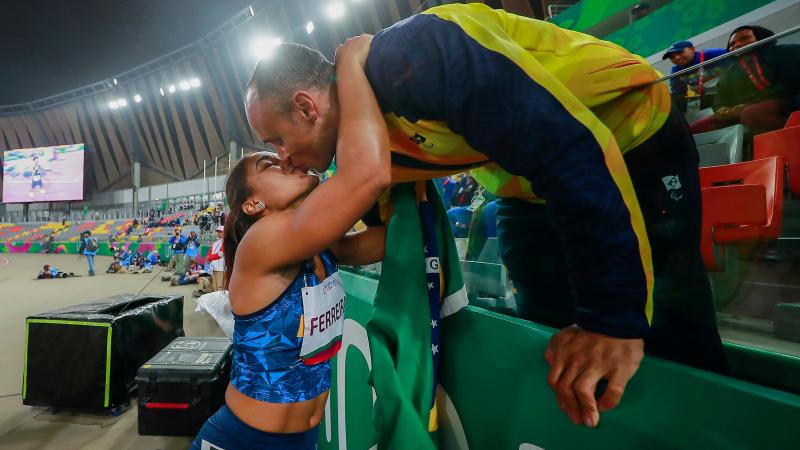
<point x="531" y="108"/>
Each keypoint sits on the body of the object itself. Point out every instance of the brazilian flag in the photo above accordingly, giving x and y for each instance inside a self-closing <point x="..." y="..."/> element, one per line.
<point x="420" y="283"/>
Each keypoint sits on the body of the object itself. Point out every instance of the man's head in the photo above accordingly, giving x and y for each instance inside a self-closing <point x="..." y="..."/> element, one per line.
<point x="193" y="235"/>
<point x="220" y="232"/>
<point x="746" y="35"/>
<point x="291" y="104"/>
<point x="681" y="53"/>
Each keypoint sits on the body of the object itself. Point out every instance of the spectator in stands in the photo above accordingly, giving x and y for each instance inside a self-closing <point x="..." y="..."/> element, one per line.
<point x="464" y="190"/>
<point x="219" y="215"/>
<point x="88" y="248"/>
<point x="216" y="260"/>
<point x="559" y="112"/>
<point x="755" y="87"/>
<point x="683" y="55"/>
<point x="178" y="243"/>
<point x="192" y="247"/>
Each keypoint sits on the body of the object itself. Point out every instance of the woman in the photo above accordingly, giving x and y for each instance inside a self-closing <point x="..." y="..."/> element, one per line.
<point x="282" y="240"/>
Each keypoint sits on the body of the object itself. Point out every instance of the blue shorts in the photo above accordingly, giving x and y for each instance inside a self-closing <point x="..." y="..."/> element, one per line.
<point x="225" y="431"/>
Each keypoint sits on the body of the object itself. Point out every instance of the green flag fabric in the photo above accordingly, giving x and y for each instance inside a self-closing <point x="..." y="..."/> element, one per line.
<point x="404" y="357"/>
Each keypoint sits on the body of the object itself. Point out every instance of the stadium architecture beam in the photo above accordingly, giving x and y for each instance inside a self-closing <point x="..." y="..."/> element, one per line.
<point x="141" y="71"/>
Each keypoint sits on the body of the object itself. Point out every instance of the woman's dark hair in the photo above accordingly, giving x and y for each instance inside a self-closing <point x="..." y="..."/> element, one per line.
<point x="759" y="32"/>
<point x="237" y="222"/>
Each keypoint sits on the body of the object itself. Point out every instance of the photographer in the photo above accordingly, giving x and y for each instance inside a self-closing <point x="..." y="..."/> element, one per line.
<point x="178" y="242"/>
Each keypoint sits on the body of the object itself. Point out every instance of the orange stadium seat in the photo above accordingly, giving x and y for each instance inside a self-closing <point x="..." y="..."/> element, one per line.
<point x="784" y="143"/>
<point x="742" y="202"/>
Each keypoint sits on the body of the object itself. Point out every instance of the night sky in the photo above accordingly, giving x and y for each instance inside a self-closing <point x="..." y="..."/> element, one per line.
<point x="51" y="46"/>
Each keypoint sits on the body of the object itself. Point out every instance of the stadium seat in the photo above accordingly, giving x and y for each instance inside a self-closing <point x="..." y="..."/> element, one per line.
<point x="741" y="203"/>
<point x="697" y="115"/>
<point x="794" y="120"/>
<point x="783" y="143"/>
<point x="718" y="147"/>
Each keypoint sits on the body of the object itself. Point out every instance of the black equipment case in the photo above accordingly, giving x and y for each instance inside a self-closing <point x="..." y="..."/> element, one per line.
<point x="85" y="356"/>
<point x="183" y="385"/>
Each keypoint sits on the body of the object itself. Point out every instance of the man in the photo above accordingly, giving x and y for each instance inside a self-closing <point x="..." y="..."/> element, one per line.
<point x="192" y="247"/>
<point x="178" y="243"/>
<point x="89" y="248"/>
<point x="545" y="110"/>
<point x="683" y="55"/>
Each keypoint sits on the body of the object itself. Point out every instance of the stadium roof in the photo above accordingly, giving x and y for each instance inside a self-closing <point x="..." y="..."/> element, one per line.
<point x="51" y="46"/>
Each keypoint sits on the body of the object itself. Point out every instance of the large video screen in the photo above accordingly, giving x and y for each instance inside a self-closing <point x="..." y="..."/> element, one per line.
<point x="43" y="174"/>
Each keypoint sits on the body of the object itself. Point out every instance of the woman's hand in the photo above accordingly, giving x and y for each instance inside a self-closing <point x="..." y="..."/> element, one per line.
<point x="354" y="49"/>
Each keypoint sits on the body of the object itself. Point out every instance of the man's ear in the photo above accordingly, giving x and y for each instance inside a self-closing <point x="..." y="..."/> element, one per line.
<point x="305" y="106"/>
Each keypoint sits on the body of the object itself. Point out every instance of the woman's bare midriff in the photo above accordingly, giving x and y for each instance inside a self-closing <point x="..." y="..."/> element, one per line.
<point x="294" y="417"/>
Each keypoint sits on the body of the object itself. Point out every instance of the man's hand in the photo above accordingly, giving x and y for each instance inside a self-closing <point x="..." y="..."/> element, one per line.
<point x="354" y="49"/>
<point x="579" y="359"/>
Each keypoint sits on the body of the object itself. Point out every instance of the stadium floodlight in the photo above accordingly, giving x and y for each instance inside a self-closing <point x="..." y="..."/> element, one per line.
<point x="113" y="104"/>
<point x="195" y="82"/>
<point x="310" y="27"/>
<point x="263" y="47"/>
<point x="161" y="90"/>
<point x="335" y="10"/>
<point x="115" y="81"/>
<point x="122" y="103"/>
<point x="252" y="13"/>
<point x="171" y="88"/>
<point x="137" y="98"/>
<point x="184" y="85"/>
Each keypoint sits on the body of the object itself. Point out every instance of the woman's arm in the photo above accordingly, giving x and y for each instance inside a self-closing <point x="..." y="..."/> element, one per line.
<point x="363" y="247"/>
<point x="363" y="172"/>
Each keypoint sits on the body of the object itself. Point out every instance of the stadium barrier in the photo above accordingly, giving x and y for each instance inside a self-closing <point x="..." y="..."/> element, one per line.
<point x="495" y="395"/>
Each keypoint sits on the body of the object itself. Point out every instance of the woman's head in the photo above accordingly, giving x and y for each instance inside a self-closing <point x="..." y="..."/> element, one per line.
<point x="256" y="187"/>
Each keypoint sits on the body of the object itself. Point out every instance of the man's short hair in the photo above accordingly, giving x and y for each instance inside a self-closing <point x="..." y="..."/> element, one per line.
<point x="290" y="67"/>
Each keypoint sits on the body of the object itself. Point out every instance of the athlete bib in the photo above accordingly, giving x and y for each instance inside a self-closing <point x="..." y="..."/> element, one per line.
<point x="323" y="320"/>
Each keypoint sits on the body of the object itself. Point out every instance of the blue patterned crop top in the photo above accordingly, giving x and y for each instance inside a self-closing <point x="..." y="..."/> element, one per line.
<point x="266" y="347"/>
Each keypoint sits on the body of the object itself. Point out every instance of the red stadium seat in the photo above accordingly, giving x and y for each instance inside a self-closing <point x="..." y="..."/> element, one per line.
<point x="742" y="202"/>
<point x="784" y="143"/>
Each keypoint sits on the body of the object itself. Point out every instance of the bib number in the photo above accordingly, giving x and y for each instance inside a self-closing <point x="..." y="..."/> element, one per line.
<point x="323" y="320"/>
